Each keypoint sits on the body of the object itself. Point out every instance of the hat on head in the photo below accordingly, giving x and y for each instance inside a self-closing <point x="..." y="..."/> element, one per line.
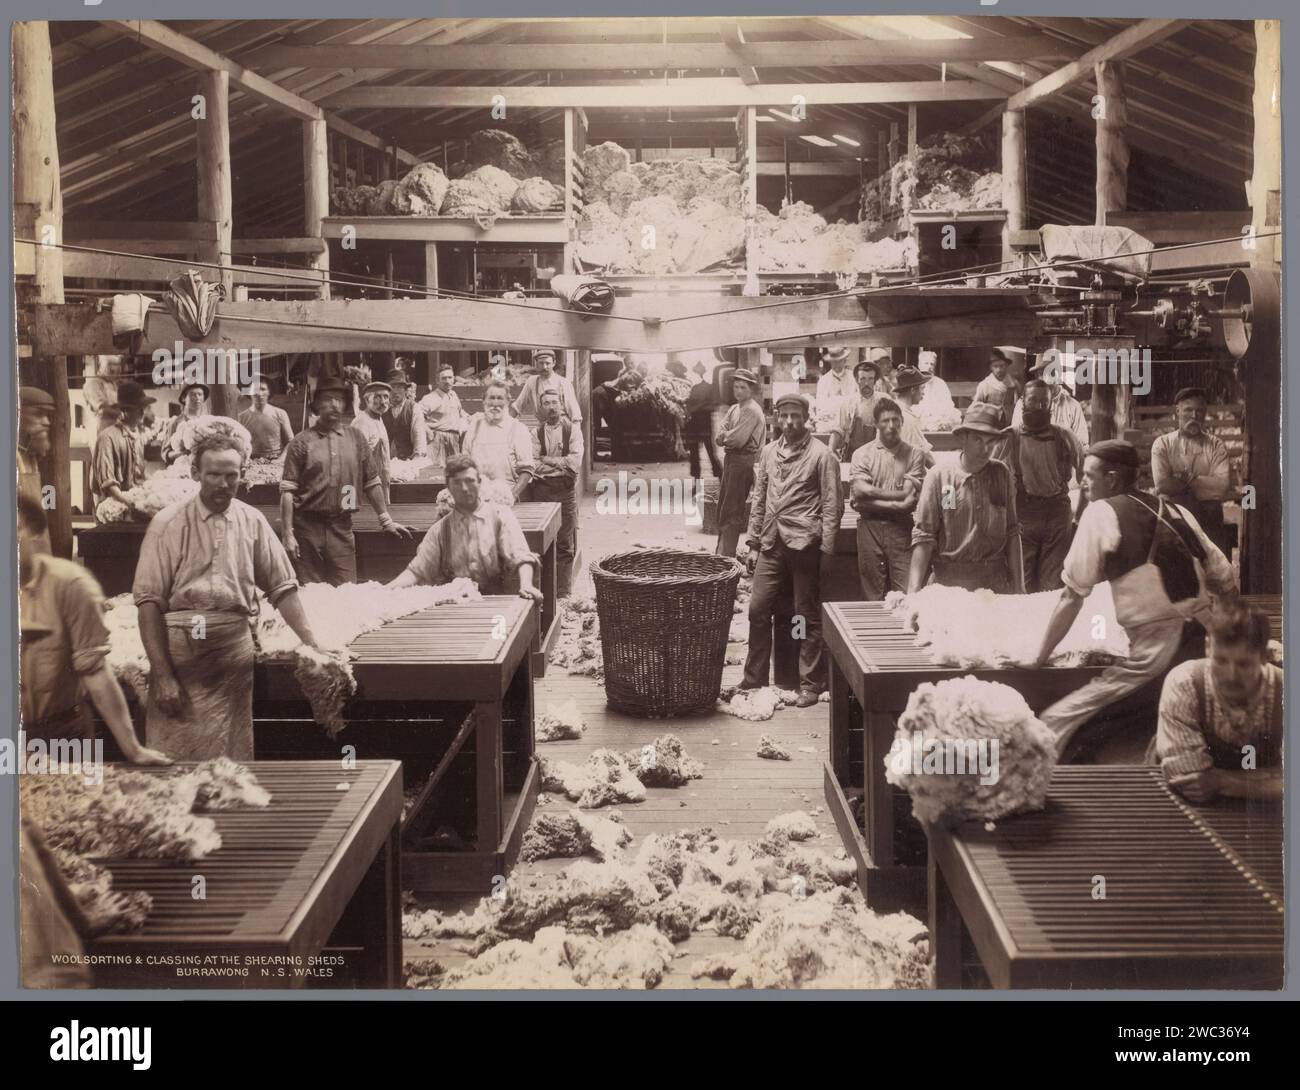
<point x="906" y="377"/>
<point x="835" y="353"/>
<point x="397" y="377"/>
<point x="1187" y="393"/>
<point x="373" y="387"/>
<point x="1116" y="452"/>
<point x="868" y="365"/>
<point x="981" y="417"/>
<point x="699" y="368"/>
<point x="998" y="354"/>
<point x="743" y="374"/>
<point x="331" y="386"/>
<point x="880" y="355"/>
<point x="796" y="400"/>
<point x="195" y="386"/>
<point x="33" y="397"/>
<point x="131" y="395"/>
<point x="540" y="353"/>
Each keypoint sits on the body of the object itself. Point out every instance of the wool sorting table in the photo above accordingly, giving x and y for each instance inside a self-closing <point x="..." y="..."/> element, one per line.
<point x="1193" y="895"/>
<point x="424" y="489"/>
<point x="430" y="685"/>
<point x="317" y="870"/>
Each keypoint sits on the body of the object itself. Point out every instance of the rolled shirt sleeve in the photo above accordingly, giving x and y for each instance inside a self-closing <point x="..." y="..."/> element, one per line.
<point x="426" y="565"/>
<point x="419" y="440"/>
<point x="155" y="569"/>
<point x="107" y="468"/>
<point x="368" y="458"/>
<point x="522" y="442"/>
<point x="1216" y="487"/>
<point x="82" y="610"/>
<point x="758" y="497"/>
<point x="1161" y="469"/>
<point x="1096" y="537"/>
<point x="915" y="469"/>
<point x="1181" y="747"/>
<point x="1219" y="576"/>
<point x="286" y="427"/>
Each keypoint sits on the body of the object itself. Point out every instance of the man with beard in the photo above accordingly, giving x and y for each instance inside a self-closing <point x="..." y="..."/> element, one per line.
<point x="200" y="566"/>
<point x="403" y="421"/>
<point x="499" y="443"/>
<point x="35" y="416"/>
<point x="795" y="517"/>
<point x="885" y="477"/>
<point x="1190" y="466"/>
<point x="268" y="425"/>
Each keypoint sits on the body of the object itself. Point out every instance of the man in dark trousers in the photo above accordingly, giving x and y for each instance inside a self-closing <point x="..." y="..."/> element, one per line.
<point x="402" y="420"/>
<point x="698" y="430"/>
<point x="558" y="452"/>
<point x="795" y="517"/>
<point x="744" y="430"/>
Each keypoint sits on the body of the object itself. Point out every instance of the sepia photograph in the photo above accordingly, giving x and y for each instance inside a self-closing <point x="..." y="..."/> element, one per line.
<point x="691" y="505"/>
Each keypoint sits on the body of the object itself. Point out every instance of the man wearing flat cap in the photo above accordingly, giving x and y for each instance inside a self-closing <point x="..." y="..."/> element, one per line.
<point x="194" y="405"/>
<point x="795" y="517"/>
<point x="35" y="418"/>
<point x="1191" y="467"/>
<point x="403" y="421"/>
<point x="1162" y="570"/>
<point x="836" y="386"/>
<point x="967" y="529"/>
<point x="327" y="467"/>
<point x="118" y="462"/>
<point x="856" y="423"/>
<point x="529" y="401"/>
<point x="375" y="399"/>
<point x="743" y="432"/>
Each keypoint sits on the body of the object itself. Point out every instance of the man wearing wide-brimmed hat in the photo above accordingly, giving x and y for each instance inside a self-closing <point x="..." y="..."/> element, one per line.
<point x="743" y="432"/>
<point x="909" y="388"/>
<point x="529" y="401"/>
<point x="967" y="532"/>
<point x="403" y="421"/>
<point x="118" y="462"/>
<point x="194" y="405"/>
<point x="998" y="387"/>
<point x="35" y="418"/>
<point x="836" y="386"/>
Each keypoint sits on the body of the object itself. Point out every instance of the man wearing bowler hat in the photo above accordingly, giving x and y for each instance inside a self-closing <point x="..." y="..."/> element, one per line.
<point x="194" y="404"/>
<point x="743" y="432"/>
<point x="326" y="469"/>
<point x="35" y="418"/>
<point x="967" y="532"/>
<point x="529" y="401"/>
<point x="403" y="421"/>
<point x="118" y="462"/>
<point x="795" y="517"/>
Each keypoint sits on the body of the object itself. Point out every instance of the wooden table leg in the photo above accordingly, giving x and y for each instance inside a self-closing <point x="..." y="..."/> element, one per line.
<point x="839" y="723"/>
<point x="877" y="737"/>
<point x="945" y="929"/>
<point x="489" y="780"/>
<point x="376" y="910"/>
<point x="519" y="698"/>
<point x="549" y="590"/>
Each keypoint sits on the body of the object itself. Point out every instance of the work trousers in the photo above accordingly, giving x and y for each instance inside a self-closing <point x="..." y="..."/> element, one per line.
<point x="327" y="550"/>
<point x="562" y="491"/>
<point x="693" y="444"/>
<point x="1153" y="647"/>
<point x="1044" y="540"/>
<point x="733" y="497"/>
<point x="795" y="574"/>
<point x="884" y="556"/>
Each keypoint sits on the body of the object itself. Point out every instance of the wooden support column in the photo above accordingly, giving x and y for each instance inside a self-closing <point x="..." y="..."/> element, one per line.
<point x="911" y="129"/>
<point x="431" y="359"/>
<point x="1015" y="184"/>
<point x="36" y="183"/>
<point x="215" y="204"/>
<point x="316" y="188"/>
<point x="1111" y="405"/>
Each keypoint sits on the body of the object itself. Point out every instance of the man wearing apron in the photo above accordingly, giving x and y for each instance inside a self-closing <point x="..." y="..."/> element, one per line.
<point x="500" y="445"/>
<point x="856" y="422"/>
<point x="1190" y="466"/>
<point x="966" y="519"/>
<point x="200" y="566"/>
<point x="744" y="431"/>
<point x="1160" y="565"/>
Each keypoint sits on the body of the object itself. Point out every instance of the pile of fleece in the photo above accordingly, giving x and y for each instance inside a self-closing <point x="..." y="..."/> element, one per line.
<point x="797" y="239"/>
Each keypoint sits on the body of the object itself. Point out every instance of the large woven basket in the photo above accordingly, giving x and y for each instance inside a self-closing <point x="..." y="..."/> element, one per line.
<point x="664" y="618"/>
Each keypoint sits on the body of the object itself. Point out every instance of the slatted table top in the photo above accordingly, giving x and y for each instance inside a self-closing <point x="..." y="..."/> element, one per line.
<point x="1192" y="894"/>
<point x="283" y="873"/>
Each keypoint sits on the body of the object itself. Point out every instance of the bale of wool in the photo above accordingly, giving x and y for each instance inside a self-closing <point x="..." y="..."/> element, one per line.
<point x="600" y="238"/>
<point x="650" y="227"/>
<point x="482" y="195"/>
<point x="381" y="204"/>
<point x="970" y="749"/>
<point x="501" y="151"/>
<point x="709" y="235"/>
<point x="536" y="195"/>
<point x="550" y="161"/>
<point x="620" y="190"/>
<point x="421" y="191"/>
<point x="598" y="162"/>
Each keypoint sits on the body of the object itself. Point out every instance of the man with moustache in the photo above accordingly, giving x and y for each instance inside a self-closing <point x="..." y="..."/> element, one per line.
<point x="885" y="478"/>
<point x="1190" y="466"/>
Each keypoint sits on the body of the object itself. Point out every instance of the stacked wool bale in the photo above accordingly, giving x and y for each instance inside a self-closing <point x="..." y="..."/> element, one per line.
<point x="798" y="240"/>
<point x="948" y="171"/>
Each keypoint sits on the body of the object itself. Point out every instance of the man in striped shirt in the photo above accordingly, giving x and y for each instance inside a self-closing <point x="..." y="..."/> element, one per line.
<point x="967" y="527"/>
<point x="886" y="477"/>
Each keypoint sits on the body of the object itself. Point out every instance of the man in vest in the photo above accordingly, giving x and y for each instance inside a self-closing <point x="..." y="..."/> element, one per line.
<point x="403" y="421"/>
<point x="1162" y="570"/>
<point x="1044" y="458"/>
<point x="558" y="452"/>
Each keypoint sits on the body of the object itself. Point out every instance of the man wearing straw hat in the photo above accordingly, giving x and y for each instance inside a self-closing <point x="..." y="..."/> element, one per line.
<point x="744" y="430"/>
<point x="836" y="387"/>
<point x="966" y="527"/>
<point x="795" y="517"/>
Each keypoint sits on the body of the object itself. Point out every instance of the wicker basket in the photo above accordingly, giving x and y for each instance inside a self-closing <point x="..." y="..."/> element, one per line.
<point x="664" y="618"/>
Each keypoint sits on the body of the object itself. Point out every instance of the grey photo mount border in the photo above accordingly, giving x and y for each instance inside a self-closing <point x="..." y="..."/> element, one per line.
<point x="76" y="10"/>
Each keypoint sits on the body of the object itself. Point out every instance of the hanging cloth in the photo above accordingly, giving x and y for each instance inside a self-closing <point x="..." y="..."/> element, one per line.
<point x="193" y="302"/>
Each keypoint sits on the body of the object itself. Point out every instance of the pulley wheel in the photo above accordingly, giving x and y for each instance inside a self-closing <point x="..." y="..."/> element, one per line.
<point x="1252" y="306"/>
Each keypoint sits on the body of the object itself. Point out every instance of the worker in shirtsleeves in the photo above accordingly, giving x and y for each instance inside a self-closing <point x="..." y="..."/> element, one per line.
<point x="444" y="419"/>
<point x="64" y="647"/>
<point x="403" y="421"/>
<point x="835" y="388"/>
<point x="909" y="388"/>
<point x="118" y="462"/>
<point x="35" y="417"/>
<point x="501" y="445"/>
<point x="194" y="405"/>
<point x="327" y="467"/>
<point x="743" y="432"/>
<point x="1065" y="410"/>
<point x="967" y="528"/>
<point x="476" y="540"/>
<point x="375" y="399"/>
<point x="1191" y="467"/>
<point x="856" y="423"/>
<point x="998" y="388"/>
<point x="1216" y="711"/>
<point x="795" y="517"/>
<point x="1044" y="459"/>
<point x="558" y="451"/>
<point x="529" y="401"/>
<point x="885" y="479"/>
<point x="200" y="567"/>
<point x="1162" y="570"/>
<point x="936" y="397"/>
<point x="267" y="424"/>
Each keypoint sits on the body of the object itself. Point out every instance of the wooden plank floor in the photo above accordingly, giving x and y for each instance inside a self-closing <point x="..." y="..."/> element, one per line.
<point x="740" y="792"/>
